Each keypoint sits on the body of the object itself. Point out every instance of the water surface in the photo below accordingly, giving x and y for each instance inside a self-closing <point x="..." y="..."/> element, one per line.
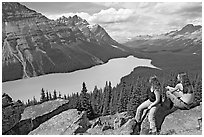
<point x="67" y="83"/>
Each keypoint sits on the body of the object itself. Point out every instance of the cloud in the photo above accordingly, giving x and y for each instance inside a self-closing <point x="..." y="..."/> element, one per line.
<point x="111" y="15"/>
<point x="128" y="19"/>
<point x="64" y="7"/>
<point x="127" y="5"/>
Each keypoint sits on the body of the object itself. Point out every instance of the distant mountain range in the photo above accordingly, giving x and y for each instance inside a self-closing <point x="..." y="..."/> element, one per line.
<point x="34" y="45"/>
<point x="186" y="40"/>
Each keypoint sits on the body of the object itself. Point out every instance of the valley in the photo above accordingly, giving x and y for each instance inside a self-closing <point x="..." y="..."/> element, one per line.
<point x="35" y="45"/>
<point x="71" y="82"/>
<point x="66" y="76"/>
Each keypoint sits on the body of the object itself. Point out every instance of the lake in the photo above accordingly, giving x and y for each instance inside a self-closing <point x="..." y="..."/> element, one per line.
<point x="67" y="83"/>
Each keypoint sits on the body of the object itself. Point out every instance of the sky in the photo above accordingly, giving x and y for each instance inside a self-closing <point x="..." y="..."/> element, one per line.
<point x="125" y="20"/>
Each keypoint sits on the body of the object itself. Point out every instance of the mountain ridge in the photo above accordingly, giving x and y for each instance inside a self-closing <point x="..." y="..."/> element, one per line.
<point x="36" y="45"/>
<point x="186" y="40"/>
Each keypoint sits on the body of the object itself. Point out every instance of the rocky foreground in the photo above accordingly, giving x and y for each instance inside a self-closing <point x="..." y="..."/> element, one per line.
<point x="55" y="118"/>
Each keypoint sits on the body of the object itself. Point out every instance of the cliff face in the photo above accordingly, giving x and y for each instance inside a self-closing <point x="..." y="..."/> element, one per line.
<point x="11" y="112"/>
<point x="35" y="45"/>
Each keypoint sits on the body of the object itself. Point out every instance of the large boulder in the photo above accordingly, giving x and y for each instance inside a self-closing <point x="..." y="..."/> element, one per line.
<point x="127" y="128"/>
<point x="6" y="100"/>
<point x="181" y="122"/>
<point x="11" y="112"/>
<point x="70" y="122"/>
<point x="33" y="116"/>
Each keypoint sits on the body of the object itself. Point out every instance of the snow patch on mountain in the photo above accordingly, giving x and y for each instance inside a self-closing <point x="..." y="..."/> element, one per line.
<point x="118" y="47"/>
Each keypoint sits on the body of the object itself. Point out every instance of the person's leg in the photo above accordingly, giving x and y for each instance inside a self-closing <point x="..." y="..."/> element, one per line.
<point x="151" y="118"/>
<point x="178" y="94"/>
<point x="177" y="102"/>
<point x="140" y="109"/>
<point x="172" y="97"/>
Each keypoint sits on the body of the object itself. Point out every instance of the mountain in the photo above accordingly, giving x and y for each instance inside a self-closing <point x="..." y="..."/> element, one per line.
<point x="190" y="28"/>
<point x="35" y="45"/>
<point x="186" y="40"/>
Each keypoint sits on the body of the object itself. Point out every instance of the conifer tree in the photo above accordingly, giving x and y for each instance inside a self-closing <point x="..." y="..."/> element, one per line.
<point x="96" y="100"/>
<point x="28" y="103"/>
<point x="78" y="105"/>
<point x="114" y="100"/>
<point x="60" y="95"/>
<point x="135" y="101"/>
<point x="107" y="99"/>
<point x="47" y="96"/>
<point x="55" y="95"/>
<point x="65" y="97"/>
<point x="123" y="99"/>
<point x="42" y="98"/>
<point x="100" y="101"/>
<point x="50" y="96"/>
<point x="198" y="92"/>
<point x="35" y="102"/>
<point x="85" y="102"/>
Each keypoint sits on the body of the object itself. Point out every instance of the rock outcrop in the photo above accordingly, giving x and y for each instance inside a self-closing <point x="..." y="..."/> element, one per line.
<point x="179" y="122"/>
<point x="60" y="121"/>
<point x="70" y="122"/>
<point x="33" y="116"/>
<point x="11" y="112"/>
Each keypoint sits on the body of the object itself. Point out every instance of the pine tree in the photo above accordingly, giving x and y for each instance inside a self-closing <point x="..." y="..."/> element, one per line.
<point x="47" y="96"/>
<point x="28" y="103"/>
<point x="65" y="97"/>
<point x="107" y="99"/>
<point x="60" y="95"/>
<point x="55" y="95"/>
<point x="35" y="102"/>
<point x="95" y="100"/>
<point x="134" y="102"/>
<point x="78" y="105"/>
<point x="113" y="103"/>
<point x="50" y="96"/>
<point x="198" y="92"/>
<point x="100" y="101"/>
<point x="42" y="98"/>
<point x="123" y="99"/>
<point x="85" y="102"/>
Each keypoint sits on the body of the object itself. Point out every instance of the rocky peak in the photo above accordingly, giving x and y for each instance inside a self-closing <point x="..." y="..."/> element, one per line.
<point x="101" y="34"/>
<point x="77" y="18"/>
<point x="190" y="28"/>
<point x="73" y="21"/>
<point x="13" y="11"/>
<point x="62" y="19"/>
<point x="96" y="28"/>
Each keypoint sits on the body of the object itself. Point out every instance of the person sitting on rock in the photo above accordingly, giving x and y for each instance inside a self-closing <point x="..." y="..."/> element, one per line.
<point x="182" y="95"/>
<point x="151" y="104"/>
